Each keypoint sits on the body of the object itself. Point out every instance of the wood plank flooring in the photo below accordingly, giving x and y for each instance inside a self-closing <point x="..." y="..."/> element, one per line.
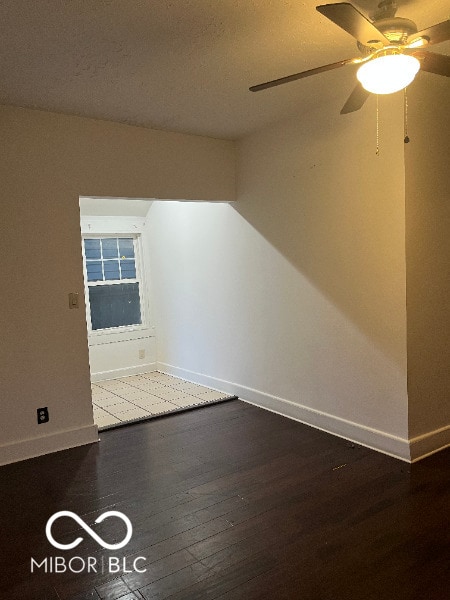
<point x="231" y="502"/>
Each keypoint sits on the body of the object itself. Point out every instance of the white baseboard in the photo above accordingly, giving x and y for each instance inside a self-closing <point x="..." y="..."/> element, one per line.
<point x="429" y="443"/>
<point x="212" y="382"/>
<point x="360" y="434"/>
<point x="62" y="440"/>
<point x="116" y="373"/>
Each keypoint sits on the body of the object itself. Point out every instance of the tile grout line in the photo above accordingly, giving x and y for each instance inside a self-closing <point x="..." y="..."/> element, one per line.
<point x="149" y="414"/>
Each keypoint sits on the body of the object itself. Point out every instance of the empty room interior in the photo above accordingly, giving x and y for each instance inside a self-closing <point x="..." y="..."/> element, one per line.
<point x="225" y="305"/>
<point x="130" y="249"/>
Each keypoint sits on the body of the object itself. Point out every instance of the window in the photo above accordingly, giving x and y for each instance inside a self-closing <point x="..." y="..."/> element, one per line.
<point x="114" y="291"/>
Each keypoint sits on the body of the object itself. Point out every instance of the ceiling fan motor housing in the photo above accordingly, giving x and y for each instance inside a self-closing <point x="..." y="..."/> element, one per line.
<point x="397" y="30"/>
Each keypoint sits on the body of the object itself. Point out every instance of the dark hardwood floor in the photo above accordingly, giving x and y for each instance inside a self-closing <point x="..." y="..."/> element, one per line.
<point x="230" y="502"/>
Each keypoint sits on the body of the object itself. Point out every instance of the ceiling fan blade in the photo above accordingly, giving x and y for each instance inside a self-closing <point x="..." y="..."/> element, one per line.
<point x="434" y="63"/>
<point x="295" y="76"/>
<point x="355" y="100"/>
<point x="435" y="34"/>
<point x="346" y="16"/>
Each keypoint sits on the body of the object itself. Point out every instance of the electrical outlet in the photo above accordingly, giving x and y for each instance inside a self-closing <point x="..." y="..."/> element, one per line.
<point x="141" y="353"/>
<point x="42" y="415"/>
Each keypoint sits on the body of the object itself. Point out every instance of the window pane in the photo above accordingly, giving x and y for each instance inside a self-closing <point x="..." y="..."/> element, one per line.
<point x="94" y="270"/>
<point x="126" y="248"/>
<point x="109" y="247"/>
<point x="128" y="269"/>
<point x="111" y="269"/>
<point x="92" y="249"/>
<point x="115" y="305"/>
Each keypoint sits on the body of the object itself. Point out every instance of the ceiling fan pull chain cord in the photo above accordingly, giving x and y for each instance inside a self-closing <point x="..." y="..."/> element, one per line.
<point x="377" y="152"/>
<point x="405" y="113"/>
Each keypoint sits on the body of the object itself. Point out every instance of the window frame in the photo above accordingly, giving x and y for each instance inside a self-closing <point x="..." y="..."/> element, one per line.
<point x="121" y="332"/>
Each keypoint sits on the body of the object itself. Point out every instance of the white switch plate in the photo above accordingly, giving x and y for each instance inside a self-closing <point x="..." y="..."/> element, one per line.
<point x="73" y="300"/>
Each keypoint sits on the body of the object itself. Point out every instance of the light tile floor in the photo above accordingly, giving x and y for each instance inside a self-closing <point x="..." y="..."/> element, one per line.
<point x="147" y="395"/>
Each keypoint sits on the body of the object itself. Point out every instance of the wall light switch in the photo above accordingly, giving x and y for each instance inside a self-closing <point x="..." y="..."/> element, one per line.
<point x="73" y="300"/>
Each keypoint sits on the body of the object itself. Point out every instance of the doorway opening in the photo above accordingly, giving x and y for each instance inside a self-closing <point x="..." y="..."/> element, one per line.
<point x="119" y="255"/>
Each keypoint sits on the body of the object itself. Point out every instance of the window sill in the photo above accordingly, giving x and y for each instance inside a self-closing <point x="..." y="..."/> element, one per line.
<point x="96" y="338"/>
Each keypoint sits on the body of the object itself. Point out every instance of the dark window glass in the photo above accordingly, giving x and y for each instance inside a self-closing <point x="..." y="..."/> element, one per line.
<point x="115" y="305"/>
<point x="126" y="248"/>
<point x="111" y="269"/>
<point x="94" y="270"/>
<point x="109" y="248"/>
<point x="92" y="249"/>
<point x="128" y="269"/>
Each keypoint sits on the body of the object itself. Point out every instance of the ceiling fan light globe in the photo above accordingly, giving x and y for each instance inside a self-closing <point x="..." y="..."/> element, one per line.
<point x="388" y="74"/>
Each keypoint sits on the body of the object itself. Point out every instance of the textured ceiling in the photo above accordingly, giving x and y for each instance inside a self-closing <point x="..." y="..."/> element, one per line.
<point x="180" y="65"/>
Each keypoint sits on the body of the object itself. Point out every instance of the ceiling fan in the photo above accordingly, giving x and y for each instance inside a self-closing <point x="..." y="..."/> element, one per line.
<point x="392" y="48"/>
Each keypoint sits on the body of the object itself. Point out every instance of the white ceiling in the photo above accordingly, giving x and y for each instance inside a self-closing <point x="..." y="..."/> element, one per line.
<point x="180" y="65"/>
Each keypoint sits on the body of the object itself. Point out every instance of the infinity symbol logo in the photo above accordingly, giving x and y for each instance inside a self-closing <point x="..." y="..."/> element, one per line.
<point x="97" y="538"/>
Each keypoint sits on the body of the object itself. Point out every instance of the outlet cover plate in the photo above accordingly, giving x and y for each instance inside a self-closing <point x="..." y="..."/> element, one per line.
<point x="42" y="415"/>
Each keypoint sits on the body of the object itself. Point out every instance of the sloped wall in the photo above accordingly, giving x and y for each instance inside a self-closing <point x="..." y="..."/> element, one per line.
<point x="294" y="296"/>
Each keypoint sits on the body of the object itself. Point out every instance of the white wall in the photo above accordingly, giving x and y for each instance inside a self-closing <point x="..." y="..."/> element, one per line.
<point x="117" y="207"/>
<point x="121" y="358"/>
<point x="47" y="161"/>
<point x="294" y="297"/>
<point x="428" y="260"/>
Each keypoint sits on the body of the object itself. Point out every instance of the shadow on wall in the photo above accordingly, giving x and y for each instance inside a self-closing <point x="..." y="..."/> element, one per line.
<point x="428" y="253"/>
<point x="315" y="189"/>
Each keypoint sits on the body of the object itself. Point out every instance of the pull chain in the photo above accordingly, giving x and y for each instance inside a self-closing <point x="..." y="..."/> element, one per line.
<point x="405" y="116"/>
<point x="377" y="152"/>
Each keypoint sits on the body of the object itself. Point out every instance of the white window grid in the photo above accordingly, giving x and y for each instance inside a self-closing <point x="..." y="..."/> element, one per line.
<point x="138" y="279"/>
